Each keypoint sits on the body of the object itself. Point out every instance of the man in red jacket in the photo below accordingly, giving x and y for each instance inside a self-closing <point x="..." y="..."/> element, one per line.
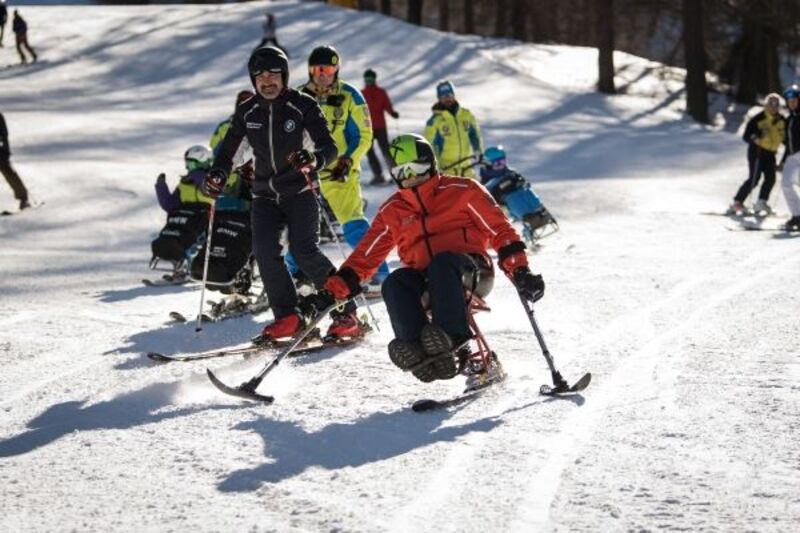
<point x="442" y="227"/>
<point x="379" y="103"/>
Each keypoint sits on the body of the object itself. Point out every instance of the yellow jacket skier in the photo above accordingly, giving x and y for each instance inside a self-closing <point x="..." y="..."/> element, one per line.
<point x="454" y="133"/>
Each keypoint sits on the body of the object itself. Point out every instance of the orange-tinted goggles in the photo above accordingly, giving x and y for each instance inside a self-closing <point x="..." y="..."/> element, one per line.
<point x="328" y="70"/>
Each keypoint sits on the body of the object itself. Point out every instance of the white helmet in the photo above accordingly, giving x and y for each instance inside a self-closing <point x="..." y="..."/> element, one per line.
<point x="197" y="157"/>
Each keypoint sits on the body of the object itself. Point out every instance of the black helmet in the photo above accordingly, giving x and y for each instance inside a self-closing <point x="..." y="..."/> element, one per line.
<point x="324" y="56"/>
<point x="369" y="73"/>
<point x="268" y="58"/>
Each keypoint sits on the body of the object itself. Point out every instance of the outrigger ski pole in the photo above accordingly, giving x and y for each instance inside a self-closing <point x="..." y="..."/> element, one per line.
<point x="560" y="385"/>
<point x="211" y="210"/>
<point x="247" y="390"/>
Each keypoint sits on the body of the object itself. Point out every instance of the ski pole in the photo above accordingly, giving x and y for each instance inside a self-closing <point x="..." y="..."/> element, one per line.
<point x="560" y="385"/>
<point x="212" y="209"/>
<point x="327" y="220"/>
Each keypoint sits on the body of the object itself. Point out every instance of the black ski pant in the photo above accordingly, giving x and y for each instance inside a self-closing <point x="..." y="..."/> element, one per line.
<point x="22" y="41"/>
<point x="13" y="179"/>
<point x="759" y="161"/>
<point x="300" y="214"/>
<point x="374" y="163"/>
<point x="443" y="279"/>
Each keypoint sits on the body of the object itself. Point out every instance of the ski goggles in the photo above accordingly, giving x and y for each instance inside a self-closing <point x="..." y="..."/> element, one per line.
<point x="327" y="70"/>
<point x="258" y="70"/>
<point x="498" y="163"/>
<point x="409" y="170"/>
<point x="194" y="164"/>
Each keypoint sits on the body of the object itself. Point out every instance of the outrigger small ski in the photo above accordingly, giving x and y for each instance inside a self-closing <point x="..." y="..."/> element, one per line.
<point x="560" y="385"/>
<point x="247" y="390"/>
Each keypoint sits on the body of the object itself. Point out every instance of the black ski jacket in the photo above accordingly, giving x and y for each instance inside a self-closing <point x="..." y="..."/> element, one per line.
<point x="5" y="150"/>
<point x="792" y="142"/>
<point x="275" y="129"/>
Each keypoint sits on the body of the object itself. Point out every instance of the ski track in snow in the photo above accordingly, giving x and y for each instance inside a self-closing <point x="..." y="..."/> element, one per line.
<point x="690" y="422"/>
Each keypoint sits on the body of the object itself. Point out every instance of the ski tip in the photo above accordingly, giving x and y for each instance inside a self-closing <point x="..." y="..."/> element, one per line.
<point x="424" y="405"/>
<point x="155" y="356"/>
<point x="239" y="392"/>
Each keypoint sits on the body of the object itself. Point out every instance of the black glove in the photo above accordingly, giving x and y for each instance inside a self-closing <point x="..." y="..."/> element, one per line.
<point x="315" y="303"/>
<point x="303" y="160"/>
<point x="530" y="286"/>
<point x="214" y="183"/>
<point x="162" y="178"/>
<point x="395" y="114"/>
<point x="342" y="169"/>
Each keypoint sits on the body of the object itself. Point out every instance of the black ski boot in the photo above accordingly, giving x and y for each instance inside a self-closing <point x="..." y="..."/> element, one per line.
<point x="437" y="343"/>
<point x="793" y="224"/>
<point x="409" y="354"/>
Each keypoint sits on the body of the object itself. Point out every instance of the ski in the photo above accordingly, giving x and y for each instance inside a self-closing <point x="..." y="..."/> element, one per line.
<point x="739" y="216"/>
<point x="166" y="281"/>
<point x="548" y="390"/>
<point x="7" y="213"/>
<point x="312" y="343"/>
<point x="743" y="226"/>
<point x="421" y="406"/>
<point x="246" y="349"/>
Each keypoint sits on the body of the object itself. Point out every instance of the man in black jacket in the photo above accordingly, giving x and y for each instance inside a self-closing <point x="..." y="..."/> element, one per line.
<point x="290" y="141"/>
<point x="13" y="179"/>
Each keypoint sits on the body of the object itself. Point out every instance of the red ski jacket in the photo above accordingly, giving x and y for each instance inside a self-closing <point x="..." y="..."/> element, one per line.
<point x="444" y="214"/>
<point x="378" y="103"/>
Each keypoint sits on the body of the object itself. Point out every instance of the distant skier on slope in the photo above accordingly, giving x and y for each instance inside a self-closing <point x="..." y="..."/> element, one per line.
<point x="454" y="133"/>
<point x="279" y="122"/>
<point x="763" y="134"/>
<point x="270" y="33"/>
<point x="442" y="226"/>
<point x="20" y="28"/>
<point x="790" y="181"/>
<point x="379" y="104"/>
<point x="13" y="179"/>
<point x="512" y="191"/>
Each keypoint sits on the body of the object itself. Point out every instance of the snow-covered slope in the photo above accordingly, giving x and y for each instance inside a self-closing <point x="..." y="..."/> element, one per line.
<point x="690" y="330"/>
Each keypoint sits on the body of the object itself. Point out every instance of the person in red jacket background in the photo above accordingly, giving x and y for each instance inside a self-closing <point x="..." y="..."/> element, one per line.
<point x="442" y="227"/>
<point x="378" y="101"/>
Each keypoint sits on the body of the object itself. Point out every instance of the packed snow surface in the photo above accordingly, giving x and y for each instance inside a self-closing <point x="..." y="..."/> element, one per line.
<point x="691" y="422"/>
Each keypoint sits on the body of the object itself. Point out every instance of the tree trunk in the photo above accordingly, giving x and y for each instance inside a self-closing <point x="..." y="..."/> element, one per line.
<point x="386" y="7"/>
<point x="415" y="12"/>
<point x="500" y="18"/>
<point x="469" y="17"/>
<point x="695" y="52"/>
<point x="518" y="16"/>
<point x="604" y="18"/>
<point x="444" y="15"/>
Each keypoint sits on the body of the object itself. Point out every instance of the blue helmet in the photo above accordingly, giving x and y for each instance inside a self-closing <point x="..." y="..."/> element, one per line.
<point x="496" y="156"/>
<point x="792" y="91"/>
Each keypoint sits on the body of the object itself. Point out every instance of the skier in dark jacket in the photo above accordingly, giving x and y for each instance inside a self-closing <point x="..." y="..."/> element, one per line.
<point x="790" y="164"/>
<point x="13" y="179"/>
<point x="3" y="20"/>
<point x="276" y="122"/>
<point x="20" y="28"/>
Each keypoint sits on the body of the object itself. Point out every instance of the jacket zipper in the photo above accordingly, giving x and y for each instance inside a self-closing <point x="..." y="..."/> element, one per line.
<point x="272" y="157"/>
<point x="424" y="226"/>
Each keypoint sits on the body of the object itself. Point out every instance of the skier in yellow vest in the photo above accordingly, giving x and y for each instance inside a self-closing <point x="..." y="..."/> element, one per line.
<point x="454" y="133"/>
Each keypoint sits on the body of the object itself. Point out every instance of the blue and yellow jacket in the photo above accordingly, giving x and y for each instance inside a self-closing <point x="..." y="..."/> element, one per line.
<point x="455" y="136"/>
